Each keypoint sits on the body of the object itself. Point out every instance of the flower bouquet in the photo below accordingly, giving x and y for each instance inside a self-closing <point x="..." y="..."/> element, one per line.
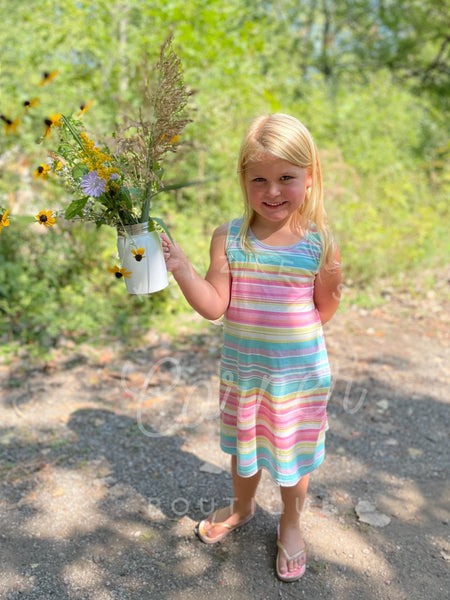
<point x="114" y="183"/>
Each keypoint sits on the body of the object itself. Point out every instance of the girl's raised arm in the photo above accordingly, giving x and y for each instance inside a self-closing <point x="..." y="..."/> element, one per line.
<point x="209" y="296"/>
<point x="327" y="289"/>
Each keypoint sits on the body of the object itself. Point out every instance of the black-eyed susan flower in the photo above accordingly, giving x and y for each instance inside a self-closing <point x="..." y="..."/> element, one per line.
<point x="30" y="103"/>
<point x="84" y="106"/>
<point x="52" y="121"/>
<point x="45" y="217"/>
<point x="138" y="254"/>
<point x="119" y="273"/>
<point x="10" y="125"/>
<point x="47" y="76"/>
<point x="4" y="221"/>
<point x="41" y="172"/>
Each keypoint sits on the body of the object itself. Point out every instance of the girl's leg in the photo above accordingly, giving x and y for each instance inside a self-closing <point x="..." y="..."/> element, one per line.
<point x="244" y="489"/>
<point x="293" y="499"/>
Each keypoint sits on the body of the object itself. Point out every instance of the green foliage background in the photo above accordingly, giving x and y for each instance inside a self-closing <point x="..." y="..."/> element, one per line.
<point x="369" y="78"/>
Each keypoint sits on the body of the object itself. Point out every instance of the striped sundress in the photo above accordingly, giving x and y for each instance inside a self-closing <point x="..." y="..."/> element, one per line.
<point x="274" y="372"/>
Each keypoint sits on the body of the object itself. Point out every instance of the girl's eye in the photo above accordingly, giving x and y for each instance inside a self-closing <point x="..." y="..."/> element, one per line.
<point x="286" y="177"/>
<point x="258" y="179"/>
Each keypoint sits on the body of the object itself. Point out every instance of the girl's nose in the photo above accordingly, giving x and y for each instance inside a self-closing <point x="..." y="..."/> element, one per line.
<point x="273" y="190"/>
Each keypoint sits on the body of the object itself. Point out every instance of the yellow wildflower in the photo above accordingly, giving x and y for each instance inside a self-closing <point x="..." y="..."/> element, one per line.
<point x="10" y="125"/>
<point x="45" y="217"/>
<point x="41" y="171"/>
<point x="4" y="221"/>
<point x="90" y="146"/>
<point x="138" y="254"/>
<point x="84" y="106"/>
<point x="94" y="158"/>
<point x="47" y="77"/>
<point x="113" y="188"/>
<point x="119" y="273"/>
<point x="52" y="121"/>
<point x="30" y="103"/>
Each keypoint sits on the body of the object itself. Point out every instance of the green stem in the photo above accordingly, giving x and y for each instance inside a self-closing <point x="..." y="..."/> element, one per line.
<point x="74" y="132"/>
<point x="146" y="208"/>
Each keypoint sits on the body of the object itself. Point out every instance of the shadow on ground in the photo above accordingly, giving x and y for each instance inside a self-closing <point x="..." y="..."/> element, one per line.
<point x="95" y="506"/>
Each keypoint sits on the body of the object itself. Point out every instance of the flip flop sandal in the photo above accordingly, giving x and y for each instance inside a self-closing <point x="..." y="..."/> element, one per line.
<point x="202" y="532"/>
<point x="290" y="575"/>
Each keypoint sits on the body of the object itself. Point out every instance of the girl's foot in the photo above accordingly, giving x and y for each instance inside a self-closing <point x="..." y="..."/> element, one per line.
<point x="291" y="557"/>
<point x="222" y="522"/>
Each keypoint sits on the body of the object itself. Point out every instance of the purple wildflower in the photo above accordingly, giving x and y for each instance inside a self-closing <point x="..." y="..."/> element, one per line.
<point x="92" y="184"/>
<point x="114" y="176"/>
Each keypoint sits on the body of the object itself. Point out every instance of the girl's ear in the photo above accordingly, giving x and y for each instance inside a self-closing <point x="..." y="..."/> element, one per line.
<point x="309" y="179"/>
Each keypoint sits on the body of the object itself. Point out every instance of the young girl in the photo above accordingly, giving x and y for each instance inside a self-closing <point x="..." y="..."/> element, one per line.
<point x="275" y="275"/>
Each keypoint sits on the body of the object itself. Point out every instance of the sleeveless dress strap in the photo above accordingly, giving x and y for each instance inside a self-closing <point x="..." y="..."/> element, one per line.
<point x="233" y="230"/>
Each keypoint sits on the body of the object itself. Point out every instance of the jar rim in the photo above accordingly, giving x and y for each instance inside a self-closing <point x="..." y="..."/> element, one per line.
<point x="133" y="229"/>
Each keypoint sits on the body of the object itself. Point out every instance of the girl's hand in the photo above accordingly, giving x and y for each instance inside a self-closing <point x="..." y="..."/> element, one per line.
<point x="327" y="289"/>
<point x="208" y="295"/>
<point x="173" y="255"/>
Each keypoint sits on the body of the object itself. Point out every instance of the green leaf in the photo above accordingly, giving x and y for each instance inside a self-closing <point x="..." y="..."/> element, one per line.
<point x="134" y="191"/>
<point x="75" y="208"/>
<point x="79" y="171"/>
<point x="163" y="226"/>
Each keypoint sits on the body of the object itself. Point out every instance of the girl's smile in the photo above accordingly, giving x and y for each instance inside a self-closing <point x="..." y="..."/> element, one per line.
<point x="274" y="205"/>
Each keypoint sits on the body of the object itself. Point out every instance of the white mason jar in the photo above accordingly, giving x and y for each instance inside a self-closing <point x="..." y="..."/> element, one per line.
<point x="141" y="255"/>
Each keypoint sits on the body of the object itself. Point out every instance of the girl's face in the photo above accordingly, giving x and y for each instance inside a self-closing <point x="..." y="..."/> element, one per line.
<point x="276" y="188"/>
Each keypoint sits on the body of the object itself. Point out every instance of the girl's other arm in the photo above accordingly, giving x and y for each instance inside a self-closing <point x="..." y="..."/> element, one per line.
<point x="327" y="289"/>
<point x="209" y="296"/>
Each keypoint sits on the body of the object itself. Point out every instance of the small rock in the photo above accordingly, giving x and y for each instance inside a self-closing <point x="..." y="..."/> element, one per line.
<point x="364" y="506"/>
<point x="367" y="513"/>
<point x="210" y="468"/>
<point x="375" y="519"/>
<point x="415" y="452"/>
<point x="383" y="405"/>
<point x="391" y="442"/>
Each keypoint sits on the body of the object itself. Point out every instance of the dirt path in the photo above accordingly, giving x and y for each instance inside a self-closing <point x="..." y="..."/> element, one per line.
<point x="109" y="459"/>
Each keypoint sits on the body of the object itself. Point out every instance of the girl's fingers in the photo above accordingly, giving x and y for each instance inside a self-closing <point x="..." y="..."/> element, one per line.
<point x="167" y="247"/>
<point x="165" y="242"/>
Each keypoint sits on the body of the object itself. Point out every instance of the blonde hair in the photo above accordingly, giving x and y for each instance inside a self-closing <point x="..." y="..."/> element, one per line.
<point x="287" y="138"/>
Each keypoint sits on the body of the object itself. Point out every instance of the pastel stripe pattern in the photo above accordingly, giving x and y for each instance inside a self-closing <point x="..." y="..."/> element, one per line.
<point x="274" y="373"/>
